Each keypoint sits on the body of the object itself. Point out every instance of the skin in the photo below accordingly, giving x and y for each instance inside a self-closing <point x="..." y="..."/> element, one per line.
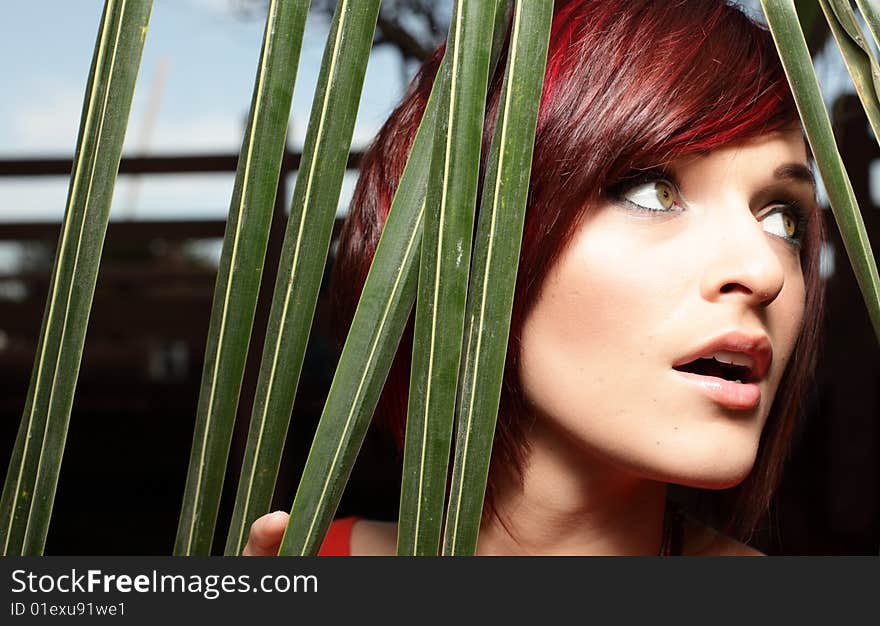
<point x="634" y="292"/>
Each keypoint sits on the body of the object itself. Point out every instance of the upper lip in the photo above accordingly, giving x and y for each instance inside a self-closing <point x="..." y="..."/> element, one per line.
<point x="755" y="346"/>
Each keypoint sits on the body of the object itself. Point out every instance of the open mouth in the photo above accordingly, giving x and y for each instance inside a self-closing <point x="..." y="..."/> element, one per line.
<point x="729" y="369"/>
<point x="709" y="366"/>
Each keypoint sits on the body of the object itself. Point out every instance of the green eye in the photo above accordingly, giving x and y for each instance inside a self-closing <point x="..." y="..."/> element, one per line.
<point x="657" y="195"/>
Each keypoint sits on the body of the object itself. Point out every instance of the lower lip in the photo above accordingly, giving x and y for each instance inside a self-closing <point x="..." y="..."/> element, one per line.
<point x="738" y="396"/>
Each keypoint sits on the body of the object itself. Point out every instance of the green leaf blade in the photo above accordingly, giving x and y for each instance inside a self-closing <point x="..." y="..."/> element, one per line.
<point x="496" y="260"/>
<point x="443" y="275"/>
<point x="240" y="273"/>
<point x="795" y="57"/>
<point x="32" y="478"/>
<point x="858" y="56"/>
<point x="871" y="12"/>
<point x="378" y="324"/>
<point x="304" y="253"/>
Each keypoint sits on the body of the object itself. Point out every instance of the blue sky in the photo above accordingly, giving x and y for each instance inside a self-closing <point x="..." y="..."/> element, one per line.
<point x="207" y="54"/>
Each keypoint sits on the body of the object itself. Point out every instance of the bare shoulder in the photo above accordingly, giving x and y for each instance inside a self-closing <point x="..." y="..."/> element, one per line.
<point x="373" y="538"/>
<point x="701" y="540"/>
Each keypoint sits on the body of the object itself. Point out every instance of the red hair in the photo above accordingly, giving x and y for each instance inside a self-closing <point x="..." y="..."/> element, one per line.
<point x="629" y="86"/>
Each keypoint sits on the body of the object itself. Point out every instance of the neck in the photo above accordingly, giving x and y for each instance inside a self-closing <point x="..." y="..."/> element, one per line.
<point x="569" y="503"/>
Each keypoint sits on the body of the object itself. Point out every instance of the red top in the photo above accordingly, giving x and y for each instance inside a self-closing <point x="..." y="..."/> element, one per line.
<point x="338" y="539"/>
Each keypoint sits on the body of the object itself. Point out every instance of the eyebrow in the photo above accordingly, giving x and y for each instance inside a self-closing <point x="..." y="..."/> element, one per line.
<point x="797" y="172"/>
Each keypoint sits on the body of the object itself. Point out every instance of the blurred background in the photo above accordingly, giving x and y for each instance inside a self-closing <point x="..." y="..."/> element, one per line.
<point x="131" y="428"/>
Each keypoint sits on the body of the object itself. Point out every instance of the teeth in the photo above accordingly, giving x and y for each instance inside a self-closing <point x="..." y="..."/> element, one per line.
<point x="733" y="358"/>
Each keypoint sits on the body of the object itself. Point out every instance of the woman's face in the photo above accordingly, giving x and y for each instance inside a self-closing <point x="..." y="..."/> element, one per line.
<point x="678" y="272"/>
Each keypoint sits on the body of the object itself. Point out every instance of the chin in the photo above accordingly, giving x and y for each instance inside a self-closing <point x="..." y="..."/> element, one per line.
<point x="712" y="471"/>
<point x="693" y="461"/>
<point x="716" y="481"/>
<point x="719" y="455"/>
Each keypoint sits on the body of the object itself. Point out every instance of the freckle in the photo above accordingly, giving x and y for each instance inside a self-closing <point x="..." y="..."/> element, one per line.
<point x="658" y="443"/>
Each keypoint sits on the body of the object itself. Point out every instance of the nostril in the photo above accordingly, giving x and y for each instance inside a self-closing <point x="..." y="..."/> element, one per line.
<point x="733" y="287"/>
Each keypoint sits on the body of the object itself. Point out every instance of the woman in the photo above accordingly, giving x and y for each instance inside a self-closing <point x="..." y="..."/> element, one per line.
<point x="668" y="295"/>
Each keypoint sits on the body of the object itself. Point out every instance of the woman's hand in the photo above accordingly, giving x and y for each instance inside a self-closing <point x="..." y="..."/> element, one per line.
<point x="266" y="534"/>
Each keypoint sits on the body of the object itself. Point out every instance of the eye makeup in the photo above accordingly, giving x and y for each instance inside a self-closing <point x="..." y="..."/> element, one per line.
<point x="798" y="214"/>
<point x="639" y="192"/>
<point x="794" y="196"/>
<point x="656" y="192"/>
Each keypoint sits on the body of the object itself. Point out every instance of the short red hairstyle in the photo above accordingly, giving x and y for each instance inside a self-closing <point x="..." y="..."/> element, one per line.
<point x="629" y="86"/>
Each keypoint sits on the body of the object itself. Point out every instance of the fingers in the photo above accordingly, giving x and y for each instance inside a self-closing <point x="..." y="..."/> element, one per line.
<point x="266" y="533"/>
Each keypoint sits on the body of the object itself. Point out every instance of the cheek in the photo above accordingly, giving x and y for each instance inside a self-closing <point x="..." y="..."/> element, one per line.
<point x="599" y="315"/>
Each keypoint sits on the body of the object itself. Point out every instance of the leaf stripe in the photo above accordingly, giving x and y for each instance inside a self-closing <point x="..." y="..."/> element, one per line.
<point x="792" y="48"/>
<point x="453" y="92"/>
<point x="383" y="309"/>
<point x="495" y="209"/>
<point x="228" y="291"/>
<point x="871" y="13"/>
<point x="56" y="281"/>
<point x="298" y="247"/>
<point x="58" y="267"/>
<point x="858" y="56"/>
<point x="386" y="313"/>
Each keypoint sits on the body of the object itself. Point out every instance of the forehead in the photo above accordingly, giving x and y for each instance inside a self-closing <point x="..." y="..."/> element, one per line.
<point x="778" y="156"/>
<point x="788" y="144"/>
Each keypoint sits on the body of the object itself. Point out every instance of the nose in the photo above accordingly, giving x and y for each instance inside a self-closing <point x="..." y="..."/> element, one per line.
<point x="743" y="263"/>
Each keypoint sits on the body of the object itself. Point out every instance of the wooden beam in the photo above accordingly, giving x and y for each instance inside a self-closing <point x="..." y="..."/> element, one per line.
<point x="169" y="164"/>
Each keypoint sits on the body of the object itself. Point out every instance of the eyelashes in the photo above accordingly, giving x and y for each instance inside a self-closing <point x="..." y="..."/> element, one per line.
<point x="789" y="218"/>
<point x="658" y="196"/>
<point x="657" y="193"/>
